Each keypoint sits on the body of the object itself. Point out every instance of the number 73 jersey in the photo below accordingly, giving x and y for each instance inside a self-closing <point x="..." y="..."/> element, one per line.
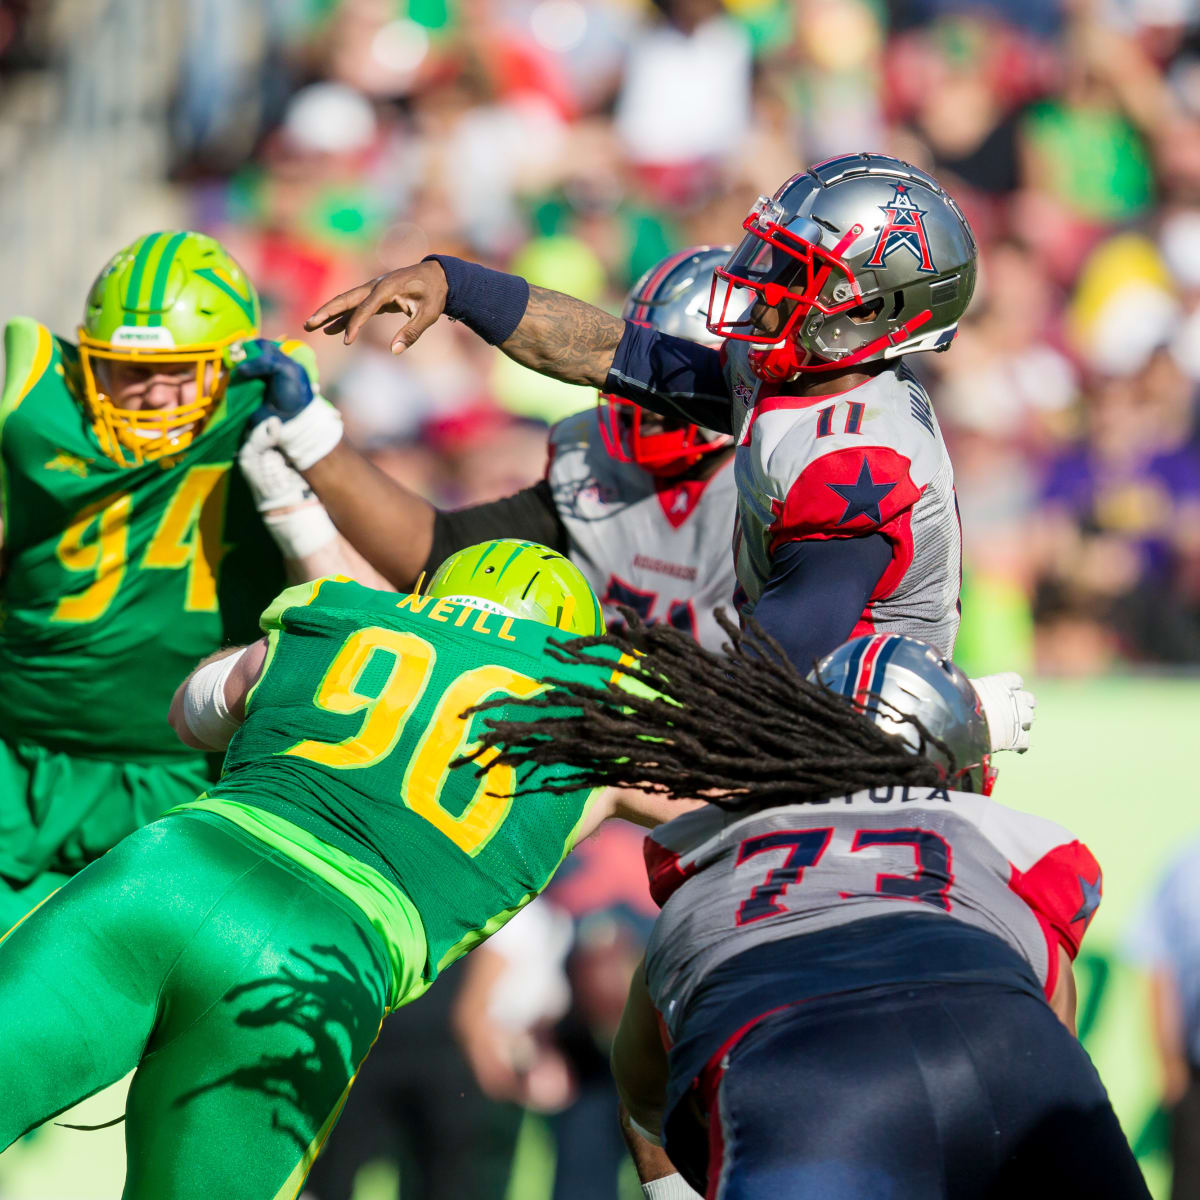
<point x="867" y="461"/>
<point x="117" y="580"/>
<point x="728" y="881"/>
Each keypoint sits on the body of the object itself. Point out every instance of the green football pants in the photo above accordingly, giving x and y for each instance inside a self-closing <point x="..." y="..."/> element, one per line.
<point x="59" y="812"/>
<point x="244" y="990"/>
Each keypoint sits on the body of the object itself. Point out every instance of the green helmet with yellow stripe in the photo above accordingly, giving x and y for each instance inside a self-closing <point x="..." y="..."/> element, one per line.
<point x="167" y="301"/>
<point x="520" y="579"/>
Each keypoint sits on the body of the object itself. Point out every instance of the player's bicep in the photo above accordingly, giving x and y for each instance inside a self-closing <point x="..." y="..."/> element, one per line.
<point x="243" y="676"/>
<point x="210" y="704"/>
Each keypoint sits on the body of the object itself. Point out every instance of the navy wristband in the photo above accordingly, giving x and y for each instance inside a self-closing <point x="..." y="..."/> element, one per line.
<point x="489" y="302"/>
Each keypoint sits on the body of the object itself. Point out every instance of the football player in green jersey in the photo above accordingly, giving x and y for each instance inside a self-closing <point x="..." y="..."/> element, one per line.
<point x="242" y="951"/>
<point x="123" y="528"/>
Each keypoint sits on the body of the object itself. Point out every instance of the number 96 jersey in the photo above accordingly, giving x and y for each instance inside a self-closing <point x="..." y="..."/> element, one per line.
<point x="658" y="546"/>
<point x="352" y="733"/>
<point x="116" y="579"/>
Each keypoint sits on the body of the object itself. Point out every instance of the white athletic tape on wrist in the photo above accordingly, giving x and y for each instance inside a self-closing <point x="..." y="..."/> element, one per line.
<point x="204" y="709"/>
<point x="301" y="532"/>
<point x="310" y="435"/>
<point x="669" y="1187"/>
<point x="274" y="482"/>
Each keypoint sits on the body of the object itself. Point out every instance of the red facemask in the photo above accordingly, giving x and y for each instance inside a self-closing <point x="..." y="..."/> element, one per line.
<point x="664" y="452"/>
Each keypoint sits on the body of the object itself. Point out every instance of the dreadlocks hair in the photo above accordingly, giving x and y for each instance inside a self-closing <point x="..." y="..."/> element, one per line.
<point x="740" y="729"/>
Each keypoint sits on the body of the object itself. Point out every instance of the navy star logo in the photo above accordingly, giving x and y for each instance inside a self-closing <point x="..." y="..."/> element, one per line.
<point x="1091" y="899"/>
<point x="862" y="497"/>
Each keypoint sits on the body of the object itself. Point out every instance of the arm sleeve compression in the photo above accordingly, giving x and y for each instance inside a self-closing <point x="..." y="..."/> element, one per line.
<point x="671" y="376"/>
<point x="529" y="513"/>
<point x="817" y="591"/>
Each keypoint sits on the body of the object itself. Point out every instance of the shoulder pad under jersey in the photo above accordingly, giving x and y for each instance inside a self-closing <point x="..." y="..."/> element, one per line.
<point x="29" y="349"/>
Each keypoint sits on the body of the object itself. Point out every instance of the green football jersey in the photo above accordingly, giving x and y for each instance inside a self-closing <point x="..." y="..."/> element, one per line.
<point x="350" y="733"/>
<point x="117" y="580"/>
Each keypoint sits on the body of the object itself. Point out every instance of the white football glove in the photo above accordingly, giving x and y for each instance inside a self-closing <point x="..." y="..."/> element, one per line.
<point x="1008" y="707"/>
<point x="295" y="518"/>
<point x="308" y="436"/>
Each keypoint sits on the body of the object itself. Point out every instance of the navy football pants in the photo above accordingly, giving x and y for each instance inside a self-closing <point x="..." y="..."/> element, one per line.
<point x="960" y="1092"/>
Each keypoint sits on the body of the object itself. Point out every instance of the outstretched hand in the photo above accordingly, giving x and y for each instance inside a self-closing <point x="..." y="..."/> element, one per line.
<point x="419" y="292"/>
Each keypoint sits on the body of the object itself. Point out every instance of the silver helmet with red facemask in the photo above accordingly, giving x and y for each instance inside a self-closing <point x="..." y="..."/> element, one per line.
<point x="889" y="678"/>
<point x="672" y="297"/>
<point x="859" y="258"/>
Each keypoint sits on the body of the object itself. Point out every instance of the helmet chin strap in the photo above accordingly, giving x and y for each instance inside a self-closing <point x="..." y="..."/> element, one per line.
<point x="781" y="363"/>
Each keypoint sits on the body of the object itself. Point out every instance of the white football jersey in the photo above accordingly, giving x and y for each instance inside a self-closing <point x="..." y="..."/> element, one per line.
<point x="869" y="460"/>
<point x="728" y="882"/>
<point x="659" y="546"/>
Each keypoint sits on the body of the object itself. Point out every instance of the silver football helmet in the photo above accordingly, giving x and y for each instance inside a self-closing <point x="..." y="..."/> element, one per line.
<point x="859" y="258"/>
<point x="888" y="677"/>
<point x="671" y="297"/>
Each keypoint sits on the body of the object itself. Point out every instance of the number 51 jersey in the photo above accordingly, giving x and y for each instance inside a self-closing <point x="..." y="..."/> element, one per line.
<point x="660" y="547"/>
<point x="866" y="461"/>
<point x="728" y="882"/>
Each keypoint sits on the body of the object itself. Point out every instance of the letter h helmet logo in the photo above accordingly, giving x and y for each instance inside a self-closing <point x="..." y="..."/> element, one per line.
<point x="904" y="227"/>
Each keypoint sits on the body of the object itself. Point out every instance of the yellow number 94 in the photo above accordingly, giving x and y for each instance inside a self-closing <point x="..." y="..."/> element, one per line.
<point x="446" y="736"/>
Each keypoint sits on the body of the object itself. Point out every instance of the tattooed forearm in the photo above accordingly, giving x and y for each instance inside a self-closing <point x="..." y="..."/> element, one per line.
<point x="565" y="338"/>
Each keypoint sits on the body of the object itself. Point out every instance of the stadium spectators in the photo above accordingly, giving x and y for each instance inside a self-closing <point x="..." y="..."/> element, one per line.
<point x="539" y="137"/>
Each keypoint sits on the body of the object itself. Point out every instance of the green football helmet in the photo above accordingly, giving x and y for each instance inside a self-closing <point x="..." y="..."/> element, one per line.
<point x="168" y="298"/>
<point x="520" y="579"/>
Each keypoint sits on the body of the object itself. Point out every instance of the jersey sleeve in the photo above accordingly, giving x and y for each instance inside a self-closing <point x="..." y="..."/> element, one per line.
<point x="850" y="492"/>
<point x="671" y="376"/>
<point x="1063" y="888"/>
<point x="299" y="595"/>
<point x="831" y="582"/>
<point x="529" y="514"/>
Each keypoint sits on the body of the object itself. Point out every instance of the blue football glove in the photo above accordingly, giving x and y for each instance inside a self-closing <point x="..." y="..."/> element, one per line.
<point x="293" y="417"/>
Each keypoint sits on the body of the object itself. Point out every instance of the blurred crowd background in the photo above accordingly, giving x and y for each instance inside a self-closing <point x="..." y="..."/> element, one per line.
<point x="576" y="142"/>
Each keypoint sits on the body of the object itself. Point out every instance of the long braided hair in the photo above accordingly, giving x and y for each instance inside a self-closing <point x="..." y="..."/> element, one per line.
<point x="739" y="729"/>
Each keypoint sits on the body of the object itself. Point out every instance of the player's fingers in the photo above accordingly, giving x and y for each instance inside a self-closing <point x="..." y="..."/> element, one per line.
<point x="423" y="316"/>
<point x="338" y="310"/>
<point x="387" y="293"/>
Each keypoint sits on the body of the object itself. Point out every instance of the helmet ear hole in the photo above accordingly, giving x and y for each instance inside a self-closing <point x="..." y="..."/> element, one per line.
<point x="866" y="312"/>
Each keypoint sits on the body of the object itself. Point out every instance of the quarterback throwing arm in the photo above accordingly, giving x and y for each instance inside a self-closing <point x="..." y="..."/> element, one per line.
<point x="575" y="342"/>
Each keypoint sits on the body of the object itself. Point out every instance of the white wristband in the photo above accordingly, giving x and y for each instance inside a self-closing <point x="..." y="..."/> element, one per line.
<point x="308" y="436"/>
<point x="669" y="1187"/>
<point x="204" y="709"/>
<point x="301" y="532"/>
